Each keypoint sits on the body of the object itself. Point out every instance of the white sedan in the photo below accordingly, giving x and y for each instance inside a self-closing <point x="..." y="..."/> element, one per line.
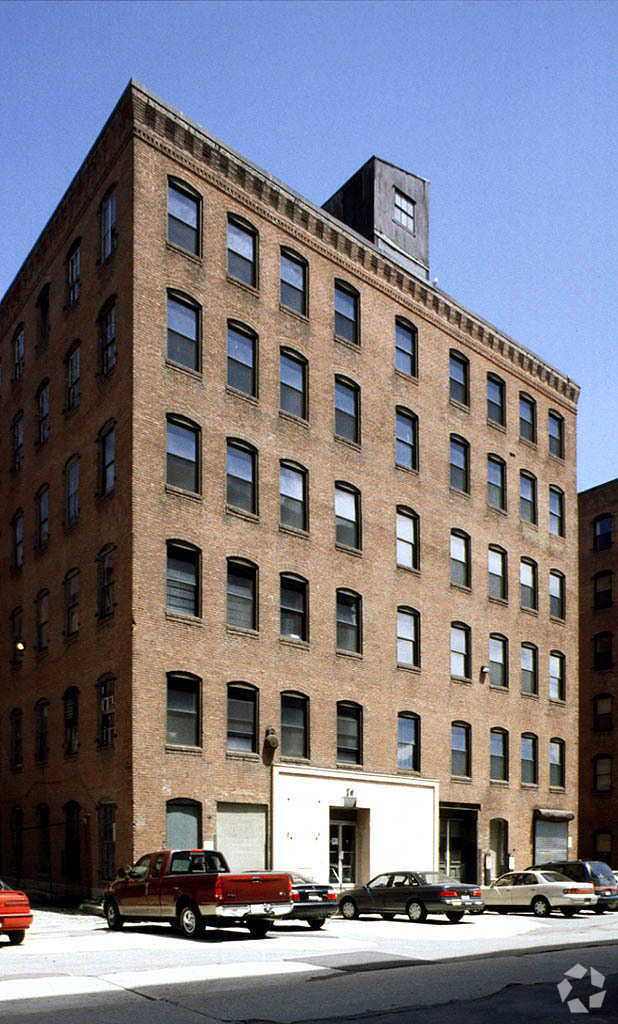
<point x="538" y="891"/>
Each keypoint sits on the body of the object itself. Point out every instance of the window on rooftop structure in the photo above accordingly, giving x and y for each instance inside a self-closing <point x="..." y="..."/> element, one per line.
<point x="529" y="660"/>
<point x="460" y="558"/>
<point x="499" y="755"/>
<point x="184" y="206"/>
<point x="242" y="241"/>
<point x="183" y="709"/>
<point x="407" y="538"/>
<point x="527" y="418"/>
<point x="293" y="495"/>
<point x="408" y="742"/>
<point x="242" y="359"/>
<point x="107" y="225"/>
<point x="293" y="282"/>
<point x="183" y="578"/>
<point x="557" y="676"/>
<point x="527" y="497"/>
<point x="406" y="439"/>
<point x="73" y="273"/>
<point x="406" y="347"/>
<point x="294" y="725"/>
<point x="555" y="424"/>
<point x="349" y="732"/>
<point x="346" y="312"/>
<point x="496" y="408"/>
<point x="459" y="378"/>
<point x="603" y="533"/>
<point x="293" y="384"/>
<point x="242" y="717"/>
<point x="496" y="566"/>
<point x="183" y="331"/>
<point x="347" y="516"/>
<point x="408" y="638"/>
<point x="241" y="594"/>
<point x="459" y="464"/>
<point x="404" y="210"/>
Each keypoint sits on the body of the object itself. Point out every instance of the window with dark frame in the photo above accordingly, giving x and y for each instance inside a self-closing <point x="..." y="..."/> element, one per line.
<point x="556" y="763"/>
<point x="17" y="636"/>
<point x="349" y="732"/>
<point x="460" y="750"/>
<point x="556" y="595"/>
<point x="527" y="497"/>
<point x="294" y="612"/>
<point x="72" y="377"/>
<point x="556" y="434"/>
<point x="42" y="517"/>
<point x="106" y="692"/>
<point x="241" y="594"/>
<point x="71" y="603"/>
<point x="107" y="337"/>
<point x="528" y="584"/>
<point x="349" y="633"/>
<point x="527" y="418"/>
<point x="107" y="459"/>
<point x="107" y="222"/>
<point x="293" y="384"/>
<point x="557" y="676"/>
<point x="346" y="312"/>
<point x="496" y="482"/>
<point x="408" y="742"/>
<point x="70" y="702"/>
<point x="105" y="581"/>
<point x="603" y="712"/>
<point x="41" y="736"/>
<point x="294" y="725"/>
<point x="17" y="524"/>
<point x="602" y="773"/>
<point x="529" y="660"/>
<point x="292" y="495"/>
<point x="556" y="512"/>
<point x="459" y="464"/>
<point x="497" y="572"/>
<point x="406" y="440"/>
<point x="603" y="591"/>
<point x="242" y="251"/>
<point x="42" y="620"/>
<point x="182" y="454"/>
<point x="498" y="661"/>
<point x="241" y="718"/>
<point x="498" y="755"/>
<point x="17" y="439"/>
<point x="293" y="282"/>
<point x="408" y="637"/>
<point x="603" y="650"/>
<point x="603" y="533"/>
<point x="406" y="347"/>
<point x="460" y="651"/>
<point x="404" y="210"/>
<point x="460" y="558"/>
<point x="347" y="410"/>
<point x="71" y="478"/>
<point x="529" y="759"/>
<point x="407" y="538"/>
<point x="16" y="748"/>
<point x="347" y="516"/>
<point x="183" y="331"/>
<point x="73" y="274"/>
<point x="42" y="412"/>
<point x="459" y="378"/>
<point x="183" y="578"/>
<point x="496" y="406"/>
<point x="184" y="206"/>
<point x="18" y="353"/>
<point x="242" y="359"/>
<point x="241" y="477"/>
<point x="183" y="710"/>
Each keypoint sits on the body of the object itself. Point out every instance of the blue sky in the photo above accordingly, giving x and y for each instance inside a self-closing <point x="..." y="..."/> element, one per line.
<point x="509" y="108"/>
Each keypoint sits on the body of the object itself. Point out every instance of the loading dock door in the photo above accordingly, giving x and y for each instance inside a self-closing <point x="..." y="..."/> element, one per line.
<point x="241" y="835"/>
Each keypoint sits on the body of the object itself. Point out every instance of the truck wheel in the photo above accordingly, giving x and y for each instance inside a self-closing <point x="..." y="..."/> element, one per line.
<point x="16" y="937"/>
<point x="455" y="915"/>
<point x="112" y="916"/>
<point x="316" y="922"/>
<point x="190" y="921"/>
<point x="259" y="928"/>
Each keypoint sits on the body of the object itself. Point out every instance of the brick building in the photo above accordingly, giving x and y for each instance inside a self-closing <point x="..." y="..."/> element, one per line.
<point x="598" y="564"/>
<point x="288" y="549"/>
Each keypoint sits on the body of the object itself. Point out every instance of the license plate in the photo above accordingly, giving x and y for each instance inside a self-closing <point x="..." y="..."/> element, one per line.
<point x="314" y="896"/>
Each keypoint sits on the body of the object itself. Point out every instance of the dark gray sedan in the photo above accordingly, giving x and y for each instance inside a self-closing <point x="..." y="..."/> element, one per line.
<point x="415" y="893"/>
<point x="311" y="901"/>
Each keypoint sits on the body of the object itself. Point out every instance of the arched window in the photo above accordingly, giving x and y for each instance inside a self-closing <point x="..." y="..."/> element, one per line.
<point x="556" y="512"/>
<point x="555" y="425"/>
<point x="18" y="353"/>
<point x="496" y="406"/>
<point x="460" y="651"/>
<point x="41" y="515"/>
<point x="72" y="377"/>
<point x="347" y="309"/>
<point x="42" y="620"/>
<point x="107" y="458"/>
<point x="71" y="602"/>
<point x="183" y="578"/>
<point x="529" y="668"/>
<point x="242" y="356"/>
<point x="42" y="412"/>
<point x="293" y="511"/>
<point x="107" y="224"/>
<point x="408" y="637"/>
<point x="106" y="559"/>
<point x="184" y="322"/>
<point x="406" y="443"/>
<point x="406" y="347"/>
<point x="349" y="621"/>
<point x="408" y="541"/>
<point x="106" y="699"/>
<point x="557" y="676"/>
<point x="293" y="398"/>
<point x="527" y="418"/>
<point x="459" y="378"/>
<point x="499" y="755"/>
<point x="459" y="464"/>
<point x="294" y="607"/>
<point x="528" y="584"/>
<point x="347" y="410"/>
<point x="497" y="570"/>
<point x="242" y="491"/>
<point x="294" y="724"/>
<point x="183" y="453"/>
<point x="73" y="272"/>
<point x="17" y="441"/>
<point x="527" y="497"/>
<point x="184" y="700"/>
<point x="460" y="558"/>
<point x="242" y="250"/>
<point x="293" y="281"/>
<point x="106" y="322"/>
<point x="408" y="742"/>
<point x="242" y="712"/>
<point x="17" y="531"/>
<point x="556" y="594"/>
<point x="184" y="213"/>
<point x="529" y="759"/>
<point x="71" y="491"/>
<point x="498" y="661"/>
<point x="242" y="602"/>
<point x="461" y="749"/>
<point x="70" y="700"/>
<point x="496" y="482"/>
<point x="603" y="597"/>
<point x="347" y="515"/>
<point x="556" y="762"/>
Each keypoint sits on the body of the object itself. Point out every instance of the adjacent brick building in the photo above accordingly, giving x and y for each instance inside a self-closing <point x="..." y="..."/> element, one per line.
<point x="288" y="544"/>
<point x="598" y="564"/>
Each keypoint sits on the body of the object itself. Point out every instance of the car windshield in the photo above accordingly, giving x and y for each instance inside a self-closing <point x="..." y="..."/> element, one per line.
<point x="601" y="873"/>
<point x="435" y="878"/>
<point x="300" y="879"/>
<point x="554" y="876"/>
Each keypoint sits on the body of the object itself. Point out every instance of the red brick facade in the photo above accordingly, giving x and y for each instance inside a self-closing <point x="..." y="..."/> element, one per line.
<point x="105" y="793"/>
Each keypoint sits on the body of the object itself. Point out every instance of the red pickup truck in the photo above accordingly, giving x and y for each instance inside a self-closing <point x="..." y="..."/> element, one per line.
<point x="194" y="888"/>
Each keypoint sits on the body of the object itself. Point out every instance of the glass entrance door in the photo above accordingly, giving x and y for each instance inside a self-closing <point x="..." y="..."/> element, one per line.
<point x="342" y="852"/>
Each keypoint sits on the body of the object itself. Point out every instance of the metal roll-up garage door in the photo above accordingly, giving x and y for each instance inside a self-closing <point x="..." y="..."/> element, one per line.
<point x="241" y="835"/>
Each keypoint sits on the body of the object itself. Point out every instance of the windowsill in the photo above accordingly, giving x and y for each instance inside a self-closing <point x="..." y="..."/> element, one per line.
<point x="244" y="631"/>
<point x="194" y="257"/>
<point x="102" y="376"/>
<point x="527" y="443"/>
<point x="346" y="549"/>
<point x="237" y="393"/>
<point x="68" y="306"/>
<point x="180" y="492"/>
<point x="464" y="780"/>
<point x="409" y="377"/>
<point x="411" y="470"/>
<point x="557" y="789"/>
<point x="172" y="748"/>
<point x="494" y="508"/>
<point x="355" y="655"/>
<point x="461" y="586"/>
<point x="72" y="411"/>
<point x="250" y="288"/>
<point x="496" y="426"/>
<point x="71" y="637"/>
<point x="461" y="679"/>
<point x="527" y="524"/>
<point x="529" y="785"/>
<point x="102" y="620"/>
<point x="410" y="568"/>
<point x="353" y="345"/>
<point x="188" y="620"/>
<point x="504" y="783"/>
<point x="187" y="370"/>
<point x="41" y="653"/>
<point x="416" y="669"/>
<point x="355" y="445"/>
<point x="530" y="696"/>
<point x="294" y="531"/>
<point x="557" y="458"/>
<point x="289" y="759"/>
<point x="291" y="418"/>
<point x="499" y="689"/>
<point x="102" y="498"/>
<point x="301" y="645"/>
<point x="240" y="513"/>
<point x="557" y="702"/>
<point x="498" y="600"/>
<point x="556" y="536"/>
<point x="70" y="527"/>
<point x="356" y="766"/>
<point x="461" y="494"/>
<point x="240" y="755"/>
<point x="557" y="621"/>
<point x="409" y="772"/>
<point x="462" y="406"/>
<point x="603" y="792"/>
<point x="302" y="318"/>
<point x="529" y="611"/>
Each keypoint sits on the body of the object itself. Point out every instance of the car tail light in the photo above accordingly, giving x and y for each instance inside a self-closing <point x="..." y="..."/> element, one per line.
<point x="476" y="893"/>
<point x="582" y="890"/>
<point x="449" y="894"/>
<point x="219" y="889"/>
<point x="331" y="895"/>
<point x="295" y="895"/>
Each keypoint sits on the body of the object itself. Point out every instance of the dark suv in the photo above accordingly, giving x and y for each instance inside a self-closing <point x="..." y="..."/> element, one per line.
<point x="594" y="871"/>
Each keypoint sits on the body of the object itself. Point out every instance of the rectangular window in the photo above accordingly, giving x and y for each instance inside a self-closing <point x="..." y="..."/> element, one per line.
<point x="496" y="563"/>
<point x="603" y="713"/>
<point x="293" y="386"/>
<point x="241" y="719"/>
<point x="498" y="662"/>
<point x="556" y="512"/>
<point x="241" y="361"/>
<point x="72" y="492"/>
<point x="528" y="585"/>
<point x="108" y="225"/>
<point x="460" y="559"/>
<point x="458" y="379"/>
<point x="496" y="483"/>
<point x="183" y="705"/>
<point x="347" y="517"/>
<point x="293" y="285"/>
<point x="183" y="322"/>
<point x="294" y="726"/>
<point x="18" y="540"/>
<point x="405" y="348"/>
<point x="43" y="414"/>
<point x="602" y="774"/>
<point x="73" y="276"/>
<point x="182" y="580"/>
<point x="349" y="733"/>
<point x="346" y="313"/>
<point x="529" y="771"/>
<point x="406" y="442"/>
<point x="241" y="595"/>
<point x="407" y="540"/>
<point x="603" y="533"/>
<point x="460" y="652"/>
<point x="557" y="687"/>
<point x="107" y="328"/>
<point x="107" y="705"/>
<point x="183" y="218"/>
<point x="241" y="478"/>
<point x="348" y="622"/>
<point x="404" y="210"/>
<point x="495" y="400"/>
<point x="498" y="756"/>
<point x="242" y="253"/>
<point x="556" y="435"/>
<point x="105" y="582"/>
<point x="556" y="763"/>
<point x="527" y="419"/>
<point x="460" y="750"/>
<point x="407" y="743"/>
<point x="73" y="379"/>
<point x="18" y="441"/>
<point x="347" y="411"/>
<point x="459" y="465"/>
<point x="42" y="518"/>
<point x="294" y="624"/>
<point x="182" y="456"/>
<point x="108" y="461"/>
<point x="407" y="638"/>
<point x="529" y="669"/>
<point x="292" y="497"/>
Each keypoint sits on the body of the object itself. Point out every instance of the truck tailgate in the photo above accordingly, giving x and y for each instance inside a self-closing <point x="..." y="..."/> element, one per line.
<point x="256" y="888"/>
